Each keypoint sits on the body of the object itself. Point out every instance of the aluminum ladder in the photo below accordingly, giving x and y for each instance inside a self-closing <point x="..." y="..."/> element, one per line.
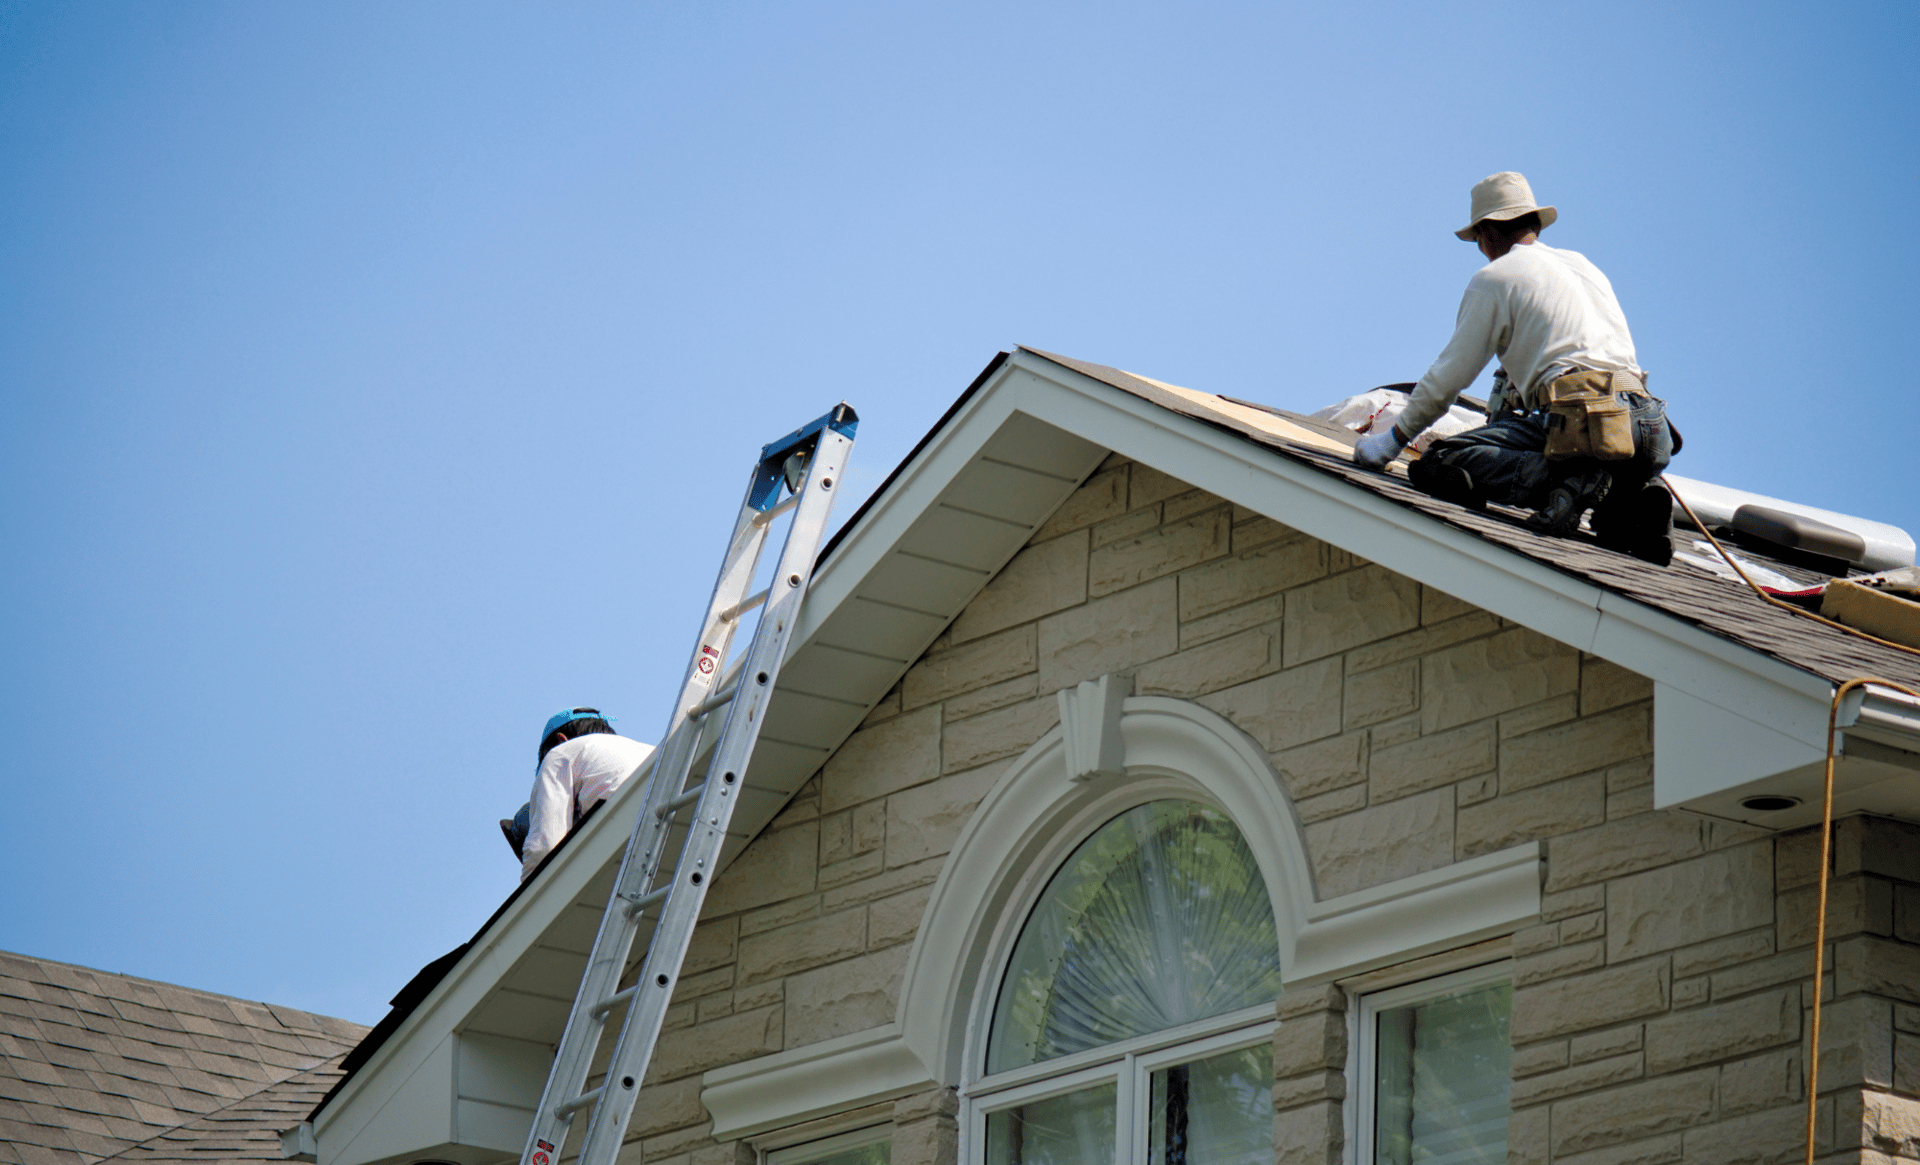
<point x="805" y="465"/>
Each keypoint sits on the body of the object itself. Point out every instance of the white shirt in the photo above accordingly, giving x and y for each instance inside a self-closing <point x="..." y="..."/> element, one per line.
<point x="575" y="776"/>
<point x="1541" y="310"/>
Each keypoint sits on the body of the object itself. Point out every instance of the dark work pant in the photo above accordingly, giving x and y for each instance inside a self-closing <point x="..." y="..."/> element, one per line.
<point x="1505" y="458"/>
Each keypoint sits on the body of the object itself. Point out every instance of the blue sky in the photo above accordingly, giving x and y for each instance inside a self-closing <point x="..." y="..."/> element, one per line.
<point x="375" y="379"/>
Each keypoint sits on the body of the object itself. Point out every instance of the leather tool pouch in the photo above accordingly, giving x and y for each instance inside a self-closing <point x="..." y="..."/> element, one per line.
<point x="1588" y="417"/>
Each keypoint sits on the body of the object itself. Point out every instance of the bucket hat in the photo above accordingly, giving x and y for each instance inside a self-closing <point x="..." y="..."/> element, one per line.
<point x="1504" y="196"/>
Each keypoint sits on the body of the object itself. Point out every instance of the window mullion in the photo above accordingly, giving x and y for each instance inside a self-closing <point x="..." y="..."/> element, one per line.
<point x="1128" y="1133"/>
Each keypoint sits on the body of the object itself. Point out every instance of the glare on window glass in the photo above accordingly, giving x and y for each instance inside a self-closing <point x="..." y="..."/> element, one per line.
<point x="1075" y="1129"/>
<point x="1441" y="1091"/>
<point x="1217" y="1111"/>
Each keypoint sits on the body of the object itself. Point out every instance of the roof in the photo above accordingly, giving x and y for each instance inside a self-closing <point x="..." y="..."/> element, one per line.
<point x="1705" y="600"/>
<point x="97" y="1066"/>
<point x="1021" y="439"/>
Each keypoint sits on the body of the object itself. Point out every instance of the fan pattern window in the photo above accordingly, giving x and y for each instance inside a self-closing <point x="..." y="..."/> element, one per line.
<point x="1159" y="920"/>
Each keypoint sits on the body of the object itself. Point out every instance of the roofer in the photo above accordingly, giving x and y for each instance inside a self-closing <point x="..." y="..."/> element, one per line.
<point x="581" y="763"/>
<point x="1571" y="425"/>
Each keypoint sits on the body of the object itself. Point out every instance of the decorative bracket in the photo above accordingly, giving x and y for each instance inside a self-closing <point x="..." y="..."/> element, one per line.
<point x="1090" y="727"/>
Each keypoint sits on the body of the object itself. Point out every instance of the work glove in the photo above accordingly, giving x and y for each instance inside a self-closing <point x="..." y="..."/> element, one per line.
<point x="1376" y="449"/>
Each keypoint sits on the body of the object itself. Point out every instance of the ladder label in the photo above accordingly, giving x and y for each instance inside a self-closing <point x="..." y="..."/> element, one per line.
<point x="705" y="665"/>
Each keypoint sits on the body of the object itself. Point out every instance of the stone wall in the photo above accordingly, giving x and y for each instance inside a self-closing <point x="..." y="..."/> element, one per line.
<point x="1661" y="1007"/>
<point x="1659" y="1000"/>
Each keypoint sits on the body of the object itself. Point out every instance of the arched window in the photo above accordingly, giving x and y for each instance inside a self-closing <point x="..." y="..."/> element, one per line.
<point x="1134" y="1018"/>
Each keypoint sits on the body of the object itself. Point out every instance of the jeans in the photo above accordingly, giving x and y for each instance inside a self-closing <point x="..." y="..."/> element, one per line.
<point x="517" y="832"/>
<point x="1506" y="462"/>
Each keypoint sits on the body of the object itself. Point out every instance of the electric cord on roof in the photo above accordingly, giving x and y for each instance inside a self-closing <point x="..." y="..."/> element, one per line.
<point x="1761" y="591"/>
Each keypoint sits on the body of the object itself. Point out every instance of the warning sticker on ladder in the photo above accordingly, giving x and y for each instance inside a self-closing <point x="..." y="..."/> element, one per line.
<point x="705" y="665"/>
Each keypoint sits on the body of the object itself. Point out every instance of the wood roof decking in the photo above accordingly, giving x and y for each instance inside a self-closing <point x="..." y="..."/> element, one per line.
<point x="97" y="1066"/>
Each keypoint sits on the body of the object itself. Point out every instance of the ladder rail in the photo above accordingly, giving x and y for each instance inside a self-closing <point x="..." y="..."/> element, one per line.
<point x="824" y="444"/>
<point x="707" y="833"/>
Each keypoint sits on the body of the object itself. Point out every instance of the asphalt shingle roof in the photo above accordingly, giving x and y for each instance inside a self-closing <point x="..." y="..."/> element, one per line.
<point x="1722" y="606"/>
<point x="97" y="1066"/>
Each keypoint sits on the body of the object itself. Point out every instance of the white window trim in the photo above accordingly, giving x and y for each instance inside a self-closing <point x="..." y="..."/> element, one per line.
<point x="827" y="1146"/>
<point x="1169" y="748"/>
<point x="1129" y="1064"/>
<point x="1363" y="1041"/>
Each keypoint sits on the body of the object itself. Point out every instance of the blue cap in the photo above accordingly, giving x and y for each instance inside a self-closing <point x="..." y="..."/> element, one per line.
<point x="567" y="716"/>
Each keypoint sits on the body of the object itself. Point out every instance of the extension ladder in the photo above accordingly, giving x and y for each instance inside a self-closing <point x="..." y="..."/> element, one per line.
<point x="807" y="463"/>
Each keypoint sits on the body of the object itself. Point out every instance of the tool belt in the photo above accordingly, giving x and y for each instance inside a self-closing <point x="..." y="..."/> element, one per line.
<point x="1588" y="415"/>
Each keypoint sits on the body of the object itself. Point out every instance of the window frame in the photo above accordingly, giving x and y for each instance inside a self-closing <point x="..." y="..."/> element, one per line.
<point x="981" y="1093"/>
<point x="824" y="1147"/>
<point x="1129" y="1064"/>
<point x="1365" y="1039"/>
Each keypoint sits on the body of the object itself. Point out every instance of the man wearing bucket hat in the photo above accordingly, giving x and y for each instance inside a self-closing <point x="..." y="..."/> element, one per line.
<point x="581" y="763"/>
<point x="1572" y="426"/>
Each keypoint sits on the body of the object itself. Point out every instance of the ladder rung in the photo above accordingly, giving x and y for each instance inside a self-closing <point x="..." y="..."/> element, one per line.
<point x="601" y="1008"/>
<point x="568" y="1108"/>
<point x="763" y="518"/>
<point x="716" y="700"/>
<point x="682" y="801"/>
<point x="651" y="898"/>
<point x="742" y="607"/>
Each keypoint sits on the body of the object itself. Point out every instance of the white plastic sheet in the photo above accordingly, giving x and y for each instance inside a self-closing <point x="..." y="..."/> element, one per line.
<point x="1372" y="412"/>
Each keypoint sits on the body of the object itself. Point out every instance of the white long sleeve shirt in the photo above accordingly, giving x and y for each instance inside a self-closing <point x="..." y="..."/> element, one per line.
<point x="1541" y="310"/>
<point x="575" y="776"/>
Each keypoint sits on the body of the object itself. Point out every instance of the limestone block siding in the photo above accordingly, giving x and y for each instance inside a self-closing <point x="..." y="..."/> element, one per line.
<point x="1659" y="1006"/>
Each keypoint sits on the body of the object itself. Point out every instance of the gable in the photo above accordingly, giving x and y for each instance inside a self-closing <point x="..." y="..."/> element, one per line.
<point x="989" y="525"/>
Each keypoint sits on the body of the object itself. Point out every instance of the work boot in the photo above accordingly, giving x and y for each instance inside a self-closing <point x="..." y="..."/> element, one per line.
<point x="1449" y="483"/>
<point x="1558" y="516"/>
<point x="1637" y="522"/>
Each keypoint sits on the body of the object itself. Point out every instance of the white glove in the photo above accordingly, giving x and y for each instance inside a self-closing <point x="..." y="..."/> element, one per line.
<point x="1376" y="449"/>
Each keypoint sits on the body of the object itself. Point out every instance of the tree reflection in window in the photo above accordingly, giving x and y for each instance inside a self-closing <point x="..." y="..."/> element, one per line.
<point x="1159" y="919"/>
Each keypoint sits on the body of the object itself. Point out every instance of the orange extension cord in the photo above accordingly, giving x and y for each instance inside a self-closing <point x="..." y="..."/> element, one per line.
<point x="1826" y="802"/>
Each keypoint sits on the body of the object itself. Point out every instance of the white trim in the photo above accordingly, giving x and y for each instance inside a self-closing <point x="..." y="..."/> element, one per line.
<point x="824" y="1147"/>
<point x="1363" y="1041"/>
<point x="811" y="1081"/>
<point x="1173" y="748"/>
<point x="1468" y="901"/>
<point x="1129" y="1066"/>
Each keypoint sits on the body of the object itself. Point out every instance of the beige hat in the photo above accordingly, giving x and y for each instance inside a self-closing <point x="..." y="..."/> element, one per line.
<point x="1503" y="196"/>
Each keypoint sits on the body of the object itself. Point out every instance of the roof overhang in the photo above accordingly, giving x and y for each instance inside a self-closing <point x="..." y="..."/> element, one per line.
<point x="1014" y="447"/>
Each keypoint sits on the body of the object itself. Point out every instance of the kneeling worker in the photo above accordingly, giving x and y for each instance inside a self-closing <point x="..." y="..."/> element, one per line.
<point x="581" y="763"/>
<point x="1572" y="426"/>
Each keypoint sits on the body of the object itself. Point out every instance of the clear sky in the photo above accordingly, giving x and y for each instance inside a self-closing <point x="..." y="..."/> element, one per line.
<point x="376" y="379"/>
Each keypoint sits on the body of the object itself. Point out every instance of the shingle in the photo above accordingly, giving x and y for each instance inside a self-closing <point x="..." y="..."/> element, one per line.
<point x="19" y="966"/>
<point x="1720" y="606"/>
<point x="16" y="1005"/>
<point x="72" y="1036"/>
<point x="61" y="1056"/>
<point x="25" y="1091"/>
<point x="41" y="1155"/>
<point x="135" y="1012"/>
<point x="37" y="1071"/>
<point x="12" y="988"/>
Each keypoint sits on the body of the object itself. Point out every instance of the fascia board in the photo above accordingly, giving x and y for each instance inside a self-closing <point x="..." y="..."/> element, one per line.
<point x="1649" y="642"/>
<point x="915" y="489"/>
<point x="587" y="853"/>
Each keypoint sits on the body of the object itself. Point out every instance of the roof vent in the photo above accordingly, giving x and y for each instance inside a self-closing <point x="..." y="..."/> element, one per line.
<point x="1798" y="538"/>
<point x="1885" y="547"/>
